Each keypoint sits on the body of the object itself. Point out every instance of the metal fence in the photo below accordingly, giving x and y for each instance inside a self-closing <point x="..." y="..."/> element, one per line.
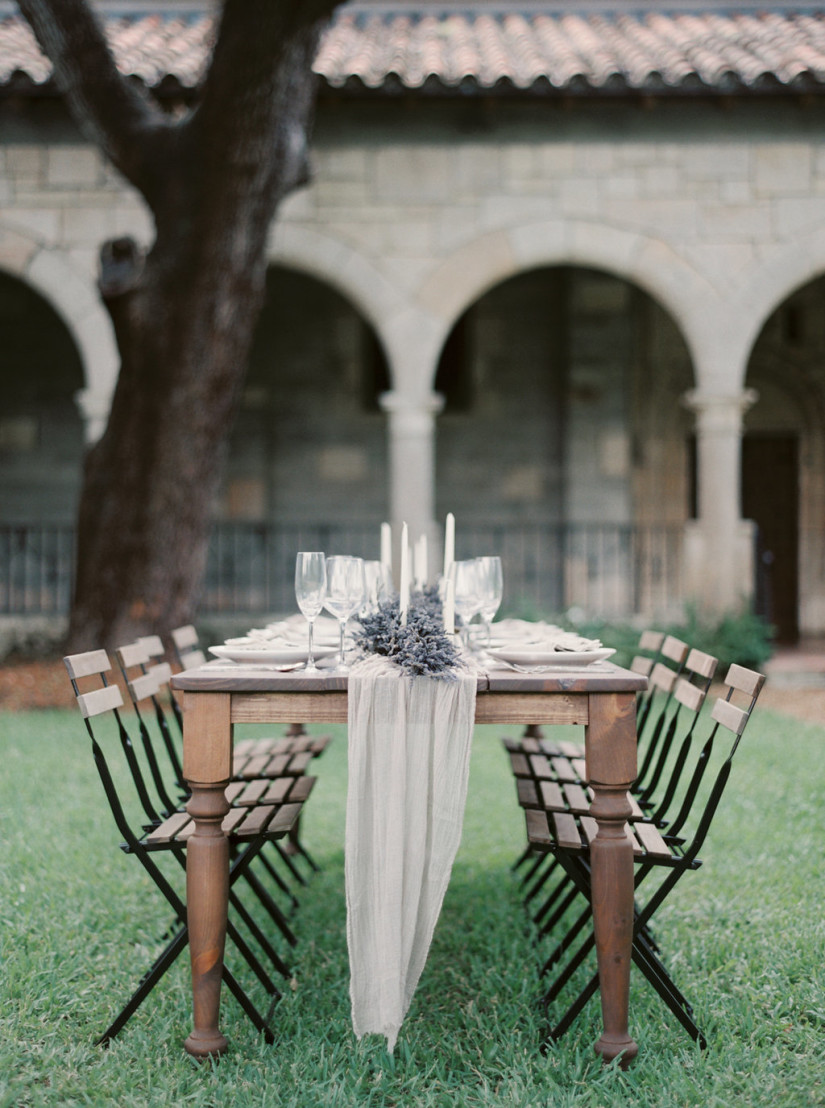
<point x="612" y="570"/>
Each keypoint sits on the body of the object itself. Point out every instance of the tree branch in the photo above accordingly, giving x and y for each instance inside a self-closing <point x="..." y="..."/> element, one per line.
<point x="114" y="112"/>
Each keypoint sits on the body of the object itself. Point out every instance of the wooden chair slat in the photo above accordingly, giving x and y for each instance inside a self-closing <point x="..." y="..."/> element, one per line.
<point x="277" y="790"/>
<point x="298" y="763"/>
<point x="635" y="808"/>
<point x="185" y="637"/>
<point x="576" y="798"/>
<point x="88" y="664"/>
<point x="99" y="700"/>
<point x="192" y="659"/>
<point x="691" y="696"/>
<point x="162" y="672"/>
<point x="651" y="640"/>
<point x="563" y="769"/>
<point x="153" y="645"/>
<point x="132" y="654"/>
<point x="580" y="768"/>
<point x="651" y="839"/>
<point x="540" y="765"/>
<point x="675" y="649"/>
<point x="728" y="715"/>
<point x="526" y="792"/>
<point x="301" y="788"/>
<point x="662" y="677"/>
<point x="284" y="819"/>
<point x="590" y="828"/>
<point x="566" y="831"/>
<point x="552" y="797"/>
<point x="745" y="680"/>
<point x="519" y="765"/>
<point x="702" y="664"/>
<point x="142" y="687"/>
<point x="642" y="665"/>
<point x="170" y="829"/>
<point x="252" y="791"/>
<point x="538" y="830"/>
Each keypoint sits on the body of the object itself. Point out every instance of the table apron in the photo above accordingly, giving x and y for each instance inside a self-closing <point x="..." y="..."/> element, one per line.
<point x="331" y="707"/>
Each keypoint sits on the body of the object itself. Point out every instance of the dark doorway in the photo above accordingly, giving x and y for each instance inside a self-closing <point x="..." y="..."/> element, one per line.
<point x="770" y="497"/>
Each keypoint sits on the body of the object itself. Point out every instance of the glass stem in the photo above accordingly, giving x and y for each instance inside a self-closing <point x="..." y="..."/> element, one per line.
<point x="343" y="623"/>
<point x="310" y="659"/>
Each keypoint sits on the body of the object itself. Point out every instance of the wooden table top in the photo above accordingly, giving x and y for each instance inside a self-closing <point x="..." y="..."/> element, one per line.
<point x="228" y="678"/>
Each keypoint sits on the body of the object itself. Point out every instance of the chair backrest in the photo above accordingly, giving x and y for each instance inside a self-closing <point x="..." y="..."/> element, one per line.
<point x="690" y="690"/>
<point x="650" y="643"/>
<point x="94" y="703"/>
<point x="740" y="683"/>
<point x="187" y="647"/>
<point x="141" y="679"/>
<point x="661" y="683"/>
<point x="153" y="645"/>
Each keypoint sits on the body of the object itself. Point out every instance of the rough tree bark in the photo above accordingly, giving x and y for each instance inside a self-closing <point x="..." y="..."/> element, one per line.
<point x="183" y="310"/>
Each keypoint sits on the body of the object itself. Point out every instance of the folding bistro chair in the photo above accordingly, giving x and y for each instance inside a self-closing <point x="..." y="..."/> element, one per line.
<point x="291" y="753"/>
<point x="249" y="825"/>
<point x="670" y="855"/>
<point x="689" y="694"/>
<point x="145" y="680"/>
<point x="542" y="765"/>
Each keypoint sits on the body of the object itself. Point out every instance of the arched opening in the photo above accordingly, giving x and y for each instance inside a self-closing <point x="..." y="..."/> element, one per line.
<point x="307" y="460"/>
<point x="41" y="431"/>
<point x="783" y="463"/>
<point x="564" y="439"/>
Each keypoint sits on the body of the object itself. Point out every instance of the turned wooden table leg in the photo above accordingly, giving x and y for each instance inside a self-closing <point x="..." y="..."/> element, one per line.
<point x="207" y="756"/>
<point x="611" y="770"/>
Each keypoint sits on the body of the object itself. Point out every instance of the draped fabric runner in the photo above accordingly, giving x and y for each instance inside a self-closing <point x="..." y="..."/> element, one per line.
<point x="409" y="752"/>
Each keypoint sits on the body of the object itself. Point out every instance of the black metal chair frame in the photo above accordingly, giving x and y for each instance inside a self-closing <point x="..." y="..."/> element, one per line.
<point x="270" y="822"/>
<point x="678" y="857"/>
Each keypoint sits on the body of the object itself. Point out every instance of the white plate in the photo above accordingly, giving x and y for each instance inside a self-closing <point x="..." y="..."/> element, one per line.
<point x="273" y="656"/>
<point x="545" y="659"/>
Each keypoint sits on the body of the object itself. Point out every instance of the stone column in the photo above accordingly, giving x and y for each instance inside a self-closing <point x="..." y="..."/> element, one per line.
<point x="719" y="547"/>
<point x="412" y="463"/>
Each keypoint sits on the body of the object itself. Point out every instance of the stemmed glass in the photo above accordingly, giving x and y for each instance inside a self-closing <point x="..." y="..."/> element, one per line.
<point x="377" y="584"/>
<point x="491" y="587"/>
<point x="310" y="590"/>
<point x="345" y="592"/>
<point x="467" y="593"/>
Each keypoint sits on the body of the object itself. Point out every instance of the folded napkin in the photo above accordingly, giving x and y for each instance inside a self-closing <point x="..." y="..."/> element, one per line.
<point x="409" y="752"/>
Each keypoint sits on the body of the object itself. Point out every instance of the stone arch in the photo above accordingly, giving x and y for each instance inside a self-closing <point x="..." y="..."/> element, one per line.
<point x="649" y="263"/>
<point x="380" y="302"/>
<point x="74" y="298"/>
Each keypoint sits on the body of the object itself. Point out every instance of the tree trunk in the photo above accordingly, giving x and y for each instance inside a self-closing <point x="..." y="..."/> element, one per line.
<point x="184" y="318"/>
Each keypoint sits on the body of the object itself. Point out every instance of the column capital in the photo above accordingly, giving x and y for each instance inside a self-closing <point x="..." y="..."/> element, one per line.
<point x="396" y="402"/>
<point x="720" y="411"/>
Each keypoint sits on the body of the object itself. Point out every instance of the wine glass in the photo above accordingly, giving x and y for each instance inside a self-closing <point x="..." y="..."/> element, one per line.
<point x="491" y="587"/>
<point x="377" y="584"/>
<point x="345" y="592"/>
<point x="310" y="590"/>
<point x="467" y="593"/>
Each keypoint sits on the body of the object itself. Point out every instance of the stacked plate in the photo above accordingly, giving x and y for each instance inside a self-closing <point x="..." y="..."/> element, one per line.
<point x="534" y="647"/>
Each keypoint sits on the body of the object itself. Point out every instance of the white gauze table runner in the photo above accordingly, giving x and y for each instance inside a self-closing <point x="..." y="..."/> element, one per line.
<point x="409" y="752"/>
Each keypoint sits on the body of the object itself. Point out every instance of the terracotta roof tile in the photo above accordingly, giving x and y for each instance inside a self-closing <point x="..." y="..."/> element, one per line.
<point x="487" y="50"/>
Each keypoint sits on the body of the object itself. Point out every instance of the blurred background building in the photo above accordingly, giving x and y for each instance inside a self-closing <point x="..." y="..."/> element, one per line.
<point x="560" y="270"/>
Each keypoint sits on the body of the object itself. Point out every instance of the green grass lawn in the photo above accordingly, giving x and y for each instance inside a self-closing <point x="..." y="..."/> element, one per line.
<point x="745" y="938"/>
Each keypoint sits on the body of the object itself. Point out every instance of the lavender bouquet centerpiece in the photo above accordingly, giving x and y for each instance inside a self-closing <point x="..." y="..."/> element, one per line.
<point x="421" y="646"/>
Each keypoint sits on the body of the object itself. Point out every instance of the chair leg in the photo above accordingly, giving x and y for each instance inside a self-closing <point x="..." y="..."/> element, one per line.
<point x="147" y="983"/>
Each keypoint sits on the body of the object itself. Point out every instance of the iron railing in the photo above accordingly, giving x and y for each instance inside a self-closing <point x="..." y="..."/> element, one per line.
<point x="612" y="571"/>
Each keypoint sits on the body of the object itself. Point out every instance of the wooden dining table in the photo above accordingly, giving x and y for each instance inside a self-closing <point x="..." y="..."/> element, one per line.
<point x="601" y="697"/>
